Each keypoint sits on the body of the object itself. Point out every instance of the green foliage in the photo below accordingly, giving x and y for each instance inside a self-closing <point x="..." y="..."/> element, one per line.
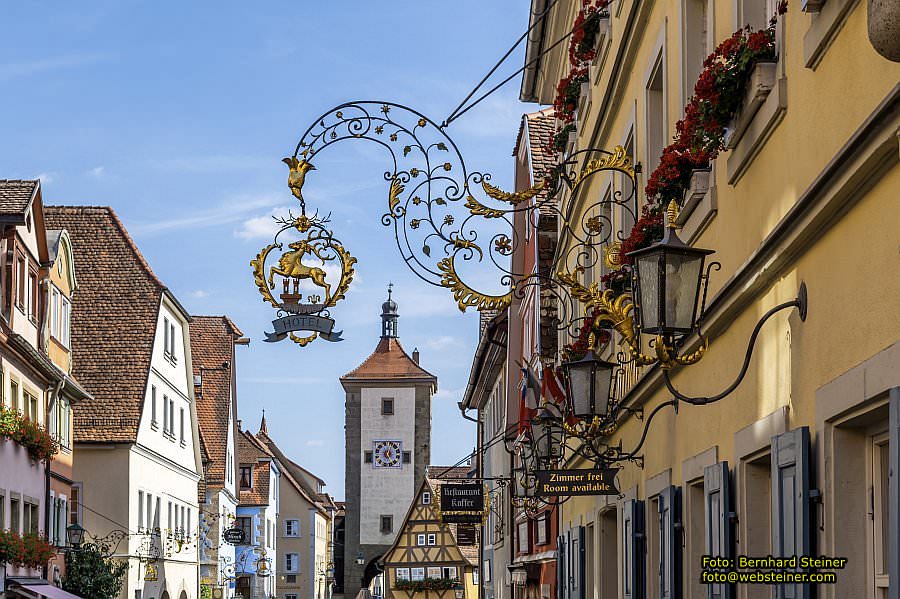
<point x="28" y="434"/>
<point x="427" y="584"/>
<point x="92" y="576"/>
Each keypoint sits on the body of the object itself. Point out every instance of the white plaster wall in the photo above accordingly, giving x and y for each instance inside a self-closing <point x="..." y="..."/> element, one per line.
<point x="385" y="491"/>
<point x="21" y="323"/>
<point x="12" y="372"/>
<point x="19" y="474"/>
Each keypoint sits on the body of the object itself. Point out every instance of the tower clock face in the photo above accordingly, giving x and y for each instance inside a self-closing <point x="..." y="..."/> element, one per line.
<point x="387" y="454"/>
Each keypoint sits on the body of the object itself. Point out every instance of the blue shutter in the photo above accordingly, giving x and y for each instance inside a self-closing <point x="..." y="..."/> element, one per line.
<point x="717" y="511"/>
<point x="791" y="531"/>
<point x="561" y="567"/>
<point x="670" y="542"/>
<point x="894" y="494"/>
<point x="581" y="564"/>
<point x="633" y="549"/>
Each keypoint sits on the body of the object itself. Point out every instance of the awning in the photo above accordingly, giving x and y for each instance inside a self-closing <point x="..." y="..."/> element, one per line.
<point x="37" y="590"/>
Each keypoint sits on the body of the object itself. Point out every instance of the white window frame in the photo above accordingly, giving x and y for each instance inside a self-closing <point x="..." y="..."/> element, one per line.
<point x="292" y="563"/>
<point x="420" y="540"/>
<point x="417" y="574"/>
<point x="426" y="498"/>
<point x="288" y="525"/>
<point x="401" y="574"/>
<point x="449" y="573"/>
<point x="432" y="539"/>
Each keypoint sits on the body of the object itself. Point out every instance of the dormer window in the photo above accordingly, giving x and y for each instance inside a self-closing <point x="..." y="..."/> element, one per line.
<point x="60" y="316"/>
<point x="426" y="498"/>
<point x="246" y="477"/>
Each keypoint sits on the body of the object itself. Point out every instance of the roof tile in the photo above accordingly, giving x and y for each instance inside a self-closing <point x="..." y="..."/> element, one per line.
<point x="389" y="361"/>
<point x="16" y="196"/>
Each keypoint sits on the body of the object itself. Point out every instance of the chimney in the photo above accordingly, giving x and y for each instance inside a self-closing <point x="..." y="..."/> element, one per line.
<point x="416" y="355"/>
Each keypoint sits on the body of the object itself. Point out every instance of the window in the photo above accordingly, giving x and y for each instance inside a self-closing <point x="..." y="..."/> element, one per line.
<point x="291" y="562"/>
<point x="2" y="509"/>
<point x="170" y="516"/>
<point x="432" y="539"/>
<point x="401" y="574"/>
<point x="20" y="283"/>
<point x="695" y="42"/>
<point x="33" y="295"/>
<point x="448" y="572"/>
<point x="165" y="336"/>
<point x="60" y="311"/>
<point x="475" y="576"/>
<point x="426" y="498"/>
<point x="881" y="518"/>
<point x="31" y="517"/>
<point x="387" y="406"/>
<point x="522" y="534"/>
<point x="75" y="504"/>
<point x="292" y="528"/>
<point x="14" y="395"/>
<point x="244" y="524"/>
<point x="291" y="579"/>
<point x="14" y="511"/>
<point x="140" y="518"/>
<point x="367" y="457"/>
<point x="153" y="421"/>
<point x="172" y="418"/>
<point x="420" y="540"/>
<point x="542" y="526"/>
<point x="387" y="524"/>
<point x="433" y="572"/>
<point x="417" y="573"/>
<point x="656" y="114"/>
<point x="755" y="13"/>
<point x="407" y="457"/>
<point x="291" y="595"/>
<point x="181" y="425"/>
<point x="165" y="414"/>
<point x="30" y="406"/>
<point x="149" y="506"/>
<point x="607" y="576"/>
<point x="487" y="570"/>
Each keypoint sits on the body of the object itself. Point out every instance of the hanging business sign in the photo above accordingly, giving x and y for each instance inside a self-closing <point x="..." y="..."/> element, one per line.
<point x="234" y="536"/>
<point x="566" y="483"/>
<point x="466" y="497"/>
<point x="462" y="503"/>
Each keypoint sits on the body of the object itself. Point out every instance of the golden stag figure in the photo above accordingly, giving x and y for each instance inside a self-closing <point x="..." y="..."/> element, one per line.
<point x="290" y="266"/>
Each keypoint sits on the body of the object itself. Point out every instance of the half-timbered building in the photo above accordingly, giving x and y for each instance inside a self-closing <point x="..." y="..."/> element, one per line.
<point x="429" y="556"/>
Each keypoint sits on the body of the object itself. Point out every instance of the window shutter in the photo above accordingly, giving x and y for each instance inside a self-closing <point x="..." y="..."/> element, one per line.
<point x="670" y="542"/>
<point x="571" y="561"/>
<point x="561" y="567"/>
<point x="894" y="493"/>
<point x="717" y="510"/>
<point x="581" y="563"/>
<point x="791" y="533"/>
<point x="633" y="549"/>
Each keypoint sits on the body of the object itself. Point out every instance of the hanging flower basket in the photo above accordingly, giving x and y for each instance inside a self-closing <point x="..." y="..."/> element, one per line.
<point x="427" y="584"/>
<point x="28" y="434"/>
<point x="29" y="550"/>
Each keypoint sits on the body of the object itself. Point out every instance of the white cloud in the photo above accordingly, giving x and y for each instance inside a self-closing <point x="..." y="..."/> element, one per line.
<point x="315" y="443"/>
<point x="199" y="293"/>
<point x="46" y="178"/>
<point x="23" y="69"/>
<point x="97" y="171"/>
<point x="230" y="211"/>
<point x="262" y="227"/>
<point x="442" y="342"/>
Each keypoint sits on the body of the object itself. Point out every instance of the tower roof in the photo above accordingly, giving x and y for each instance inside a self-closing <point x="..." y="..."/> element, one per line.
<point x="389" y="362"/>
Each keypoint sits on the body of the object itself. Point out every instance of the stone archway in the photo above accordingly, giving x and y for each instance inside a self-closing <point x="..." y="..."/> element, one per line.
<point x="183" y="595"/>
<point x="373" y="569"/>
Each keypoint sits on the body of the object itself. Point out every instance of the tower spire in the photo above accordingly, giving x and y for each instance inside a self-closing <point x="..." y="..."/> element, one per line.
<point x="389" y="316"/>
<point x="263" y="429"/>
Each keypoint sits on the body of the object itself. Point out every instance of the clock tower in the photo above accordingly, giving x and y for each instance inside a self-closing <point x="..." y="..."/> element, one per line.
<point x="388" y="446"/>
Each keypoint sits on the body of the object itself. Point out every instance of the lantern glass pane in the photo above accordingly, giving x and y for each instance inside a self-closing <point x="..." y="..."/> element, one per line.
<point x="603" y="384"/>
<point x="682" y="280"/>
<point x="648" y="290"/>
<point x="580" y="382"/>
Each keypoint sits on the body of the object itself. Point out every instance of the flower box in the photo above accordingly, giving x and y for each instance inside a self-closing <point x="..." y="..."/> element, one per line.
<point x="698" y="188"/>
<point x="599" y="47"/>
<point x="760" y="83"/>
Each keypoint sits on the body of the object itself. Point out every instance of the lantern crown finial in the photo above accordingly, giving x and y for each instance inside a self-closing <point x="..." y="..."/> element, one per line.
<point x="672" y="215"/>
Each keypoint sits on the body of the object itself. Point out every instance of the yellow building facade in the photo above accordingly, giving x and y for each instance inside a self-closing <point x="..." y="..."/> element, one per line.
<point x="797" y="460"/>
<point x="431" y="553"/>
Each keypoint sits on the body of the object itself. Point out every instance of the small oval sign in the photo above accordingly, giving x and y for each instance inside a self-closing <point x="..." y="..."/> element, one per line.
<point x="234" y="536"/>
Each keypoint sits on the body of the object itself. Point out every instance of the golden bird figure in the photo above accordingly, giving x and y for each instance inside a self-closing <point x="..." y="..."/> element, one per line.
<point x="297" y="176"/>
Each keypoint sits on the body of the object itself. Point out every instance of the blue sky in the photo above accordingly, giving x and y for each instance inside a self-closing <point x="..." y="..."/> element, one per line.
<point x="177" y="114"/>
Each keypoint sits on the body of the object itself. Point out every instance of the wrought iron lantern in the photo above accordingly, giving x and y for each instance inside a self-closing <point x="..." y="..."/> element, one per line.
<point x="548" y="438"/>
<point x="669" y="274"/>
<point x="75" y="535"/>
<point x="590" y="386"/>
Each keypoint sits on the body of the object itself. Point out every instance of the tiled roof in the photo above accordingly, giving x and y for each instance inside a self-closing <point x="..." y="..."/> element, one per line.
<point x="113" y="321"/>
<point x="389" y="362"/>
<point x="212" y="344"/>
<point x="16" y="196"/>
<point x="251" y="452"/>
<point x="540" y="127"/>
<point x="289" y="470"/>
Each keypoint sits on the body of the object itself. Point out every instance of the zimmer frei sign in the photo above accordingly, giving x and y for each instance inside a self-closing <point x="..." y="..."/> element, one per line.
<point x="565" y="483"/>
<point x="462" y="503"/>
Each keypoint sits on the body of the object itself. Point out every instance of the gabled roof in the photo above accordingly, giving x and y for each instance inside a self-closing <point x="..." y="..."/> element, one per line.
<point x="212" y="351"/>
<point x="113" y="321"/>
<point x="16" y="196"/>
<point x="289" y="470"/>
<point x="254" y="453"/>
<point x="537" y="129"/>
<point x="389" y="362"/>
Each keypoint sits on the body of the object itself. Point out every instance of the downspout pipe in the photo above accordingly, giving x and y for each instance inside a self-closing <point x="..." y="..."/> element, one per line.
<point x="50" y="404"/>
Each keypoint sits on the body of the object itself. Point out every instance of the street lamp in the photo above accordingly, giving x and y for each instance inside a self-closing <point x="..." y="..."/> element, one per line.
<point x="668" y="277"/>
<point x="74" y="535"/>
<point x="590" y="386"/>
